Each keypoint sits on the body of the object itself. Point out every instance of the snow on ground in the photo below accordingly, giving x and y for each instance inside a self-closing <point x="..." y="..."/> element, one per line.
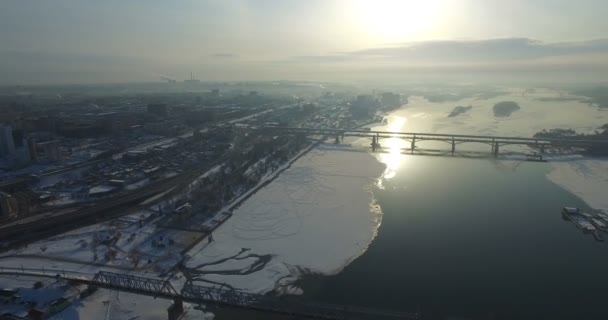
<point x="231" y="264"/>
<point x="101" y="305"/>
<point x="131" y="242"/>
<point x="586" y="178"/>
<point x="156" y="197"/>
<point x="138" y="184"/>
<point x="15" y="282"/>
<point x="211" y="172"/>
<point x="583" y="176"/>
<point x="65" y="198"/>
<point x="29" y="295"/>
<point x="106" y="304"/>
<point x="315" y="217"/>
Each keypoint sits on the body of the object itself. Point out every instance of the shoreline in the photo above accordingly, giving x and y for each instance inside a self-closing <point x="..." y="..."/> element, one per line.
<point x="584" y="177"/>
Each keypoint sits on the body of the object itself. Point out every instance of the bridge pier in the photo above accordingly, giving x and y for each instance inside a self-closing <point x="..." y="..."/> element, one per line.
<point x="542" y="149"/>
<point x="495" y="148"/>
<point x="375" y="144"/>
<point x="453" y="146"/>
<point x="337" y="141"/>
<point x="175" y="310"/>
<point x="413" y="146"/>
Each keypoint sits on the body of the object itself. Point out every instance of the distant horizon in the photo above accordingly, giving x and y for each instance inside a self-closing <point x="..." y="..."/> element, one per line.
<point x="75" y="42"/>
<point x="429" y="80"/>
<point x="581" y="61"/>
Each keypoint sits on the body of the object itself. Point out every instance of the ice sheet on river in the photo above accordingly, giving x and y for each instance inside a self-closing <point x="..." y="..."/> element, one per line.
<point x="314" y="217"/>
<point x="586" y="178"/>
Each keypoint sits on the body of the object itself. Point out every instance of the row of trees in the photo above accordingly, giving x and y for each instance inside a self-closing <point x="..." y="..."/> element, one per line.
<point x="597" y="149"/>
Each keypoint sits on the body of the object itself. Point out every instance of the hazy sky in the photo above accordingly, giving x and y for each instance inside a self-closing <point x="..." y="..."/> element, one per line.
<point x="63" y="41"/>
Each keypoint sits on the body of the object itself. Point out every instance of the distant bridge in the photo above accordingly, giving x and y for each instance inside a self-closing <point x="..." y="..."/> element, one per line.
<point x="158" y="288"/>
<point x="453" y="139"/>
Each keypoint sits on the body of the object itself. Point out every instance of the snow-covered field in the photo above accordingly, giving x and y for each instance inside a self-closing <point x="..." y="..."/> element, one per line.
<point x="132" y="242"/>
<point x="315" y="217"/>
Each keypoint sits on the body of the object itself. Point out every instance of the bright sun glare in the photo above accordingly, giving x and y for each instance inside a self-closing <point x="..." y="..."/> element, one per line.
<point x="393" y="146"/>
<point x="399" y="20"/>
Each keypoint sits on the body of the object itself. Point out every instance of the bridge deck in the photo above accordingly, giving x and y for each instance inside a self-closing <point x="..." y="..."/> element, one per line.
<point x="214" y="296"/>
<point x="432" y="136"/>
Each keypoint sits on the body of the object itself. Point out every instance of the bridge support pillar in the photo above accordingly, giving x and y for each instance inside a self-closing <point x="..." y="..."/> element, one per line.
<point x="542" y="149"/>
<point x="374" y="143"/>
<point x="175" y="310"/>
<point x="413" y="146"/>
<point x="337" y="141"/>
<point x="495" y="149"/>
<point x="453" y="146"/>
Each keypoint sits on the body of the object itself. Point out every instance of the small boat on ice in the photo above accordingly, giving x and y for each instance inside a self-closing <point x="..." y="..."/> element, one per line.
<point x="602" y="216"/>
<point x="584" y="221"/>
<point x="535" y="157"/>
<point x="599" y="223"/>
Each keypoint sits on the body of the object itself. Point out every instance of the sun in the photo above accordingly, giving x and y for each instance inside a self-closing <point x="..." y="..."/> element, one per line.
<point x="398" y="20"/>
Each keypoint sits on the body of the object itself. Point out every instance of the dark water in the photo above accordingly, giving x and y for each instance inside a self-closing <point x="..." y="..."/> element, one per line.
<point x="478" y="239"/>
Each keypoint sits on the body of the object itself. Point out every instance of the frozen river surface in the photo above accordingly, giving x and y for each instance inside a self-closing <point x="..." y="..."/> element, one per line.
<point x="315" y="217"/>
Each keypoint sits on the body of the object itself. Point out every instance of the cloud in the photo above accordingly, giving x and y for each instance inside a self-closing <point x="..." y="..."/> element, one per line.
<point x="463" y="51"/>
<point x="510" y="49"/>
<point x="224" y="56"/>
<point x="320" y="58"/>
<point x="38" y="67"/>
<point x="54" y="58"/>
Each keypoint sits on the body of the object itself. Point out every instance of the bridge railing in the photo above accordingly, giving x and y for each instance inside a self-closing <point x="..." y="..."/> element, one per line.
<point x="47" y="273"/>
<point x="208" y="294"/>
<point x="211" y="295"/>
<point x="155" y="287"/>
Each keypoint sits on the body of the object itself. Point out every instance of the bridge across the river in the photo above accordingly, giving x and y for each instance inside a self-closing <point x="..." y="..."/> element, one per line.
<point x="453" y="139"/>
<point x="158" y="288"/>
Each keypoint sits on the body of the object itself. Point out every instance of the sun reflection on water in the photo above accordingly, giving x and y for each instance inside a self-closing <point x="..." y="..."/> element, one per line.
<point x="391" y="148"/>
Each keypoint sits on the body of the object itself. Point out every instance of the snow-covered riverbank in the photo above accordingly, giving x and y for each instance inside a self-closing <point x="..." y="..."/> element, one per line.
<point x="316" y="217"/>
<point x="587" y="178"/>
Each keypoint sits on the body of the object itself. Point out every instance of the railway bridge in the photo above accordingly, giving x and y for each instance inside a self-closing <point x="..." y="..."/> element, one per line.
<point x="221" y="297"/>
<point x="496" y="142"/>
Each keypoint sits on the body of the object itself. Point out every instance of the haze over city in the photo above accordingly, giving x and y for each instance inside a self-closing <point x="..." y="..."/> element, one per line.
<point x="66" y="41"/>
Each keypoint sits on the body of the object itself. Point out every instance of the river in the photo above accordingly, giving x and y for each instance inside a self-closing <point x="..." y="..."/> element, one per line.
<point x="471" y="239"/>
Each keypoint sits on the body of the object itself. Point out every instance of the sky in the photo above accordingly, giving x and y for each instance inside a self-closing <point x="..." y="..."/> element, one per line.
<point x="89" y="41"/>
